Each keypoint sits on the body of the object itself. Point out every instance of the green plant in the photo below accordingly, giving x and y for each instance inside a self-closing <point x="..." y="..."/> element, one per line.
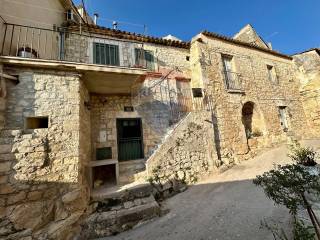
<point x="303" y="232"/>
<point x="287" y="185"/>
<point x="303" y="155"/>
<point x="300" y="231"/>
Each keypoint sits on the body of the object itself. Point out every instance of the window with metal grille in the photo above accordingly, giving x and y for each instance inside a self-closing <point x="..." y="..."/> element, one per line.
<point x="144" y="58"/>
<point x="106" y="54"/>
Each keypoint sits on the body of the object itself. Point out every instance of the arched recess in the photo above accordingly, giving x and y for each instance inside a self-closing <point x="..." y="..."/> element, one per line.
<point x="252" y="120"/>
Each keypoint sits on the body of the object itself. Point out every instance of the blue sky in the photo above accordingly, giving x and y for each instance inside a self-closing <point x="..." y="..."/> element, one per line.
<point x="291" y="25"/>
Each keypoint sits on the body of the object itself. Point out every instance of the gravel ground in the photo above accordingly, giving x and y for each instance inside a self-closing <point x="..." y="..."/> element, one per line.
<point x="224" y="206"/>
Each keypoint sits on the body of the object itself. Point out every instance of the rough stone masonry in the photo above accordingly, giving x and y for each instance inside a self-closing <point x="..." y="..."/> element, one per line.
<point x="45" y="184"/>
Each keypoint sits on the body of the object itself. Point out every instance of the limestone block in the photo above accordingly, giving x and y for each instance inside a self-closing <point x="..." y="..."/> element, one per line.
<point x="31" y="215"/>
<point x="16" y="198"/>
<point x="34" y="195"/>
<point x="5" y="166"/>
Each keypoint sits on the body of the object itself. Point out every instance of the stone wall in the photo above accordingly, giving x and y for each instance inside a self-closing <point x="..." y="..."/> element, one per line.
<point x="309" y="77"/>
<point x="251" y="68"/>
<point x="3" y="93"/>
<point x="42" y="191"/>
<point x="106" y="109"/>
<point x="80" y="49"/>
<point x="187" y="153"/>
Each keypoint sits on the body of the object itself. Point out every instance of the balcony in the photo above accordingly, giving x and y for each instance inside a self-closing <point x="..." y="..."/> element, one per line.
<point x="103" y="61"/>
<point x="233" y="81"/>
<point x="61" y="45"/>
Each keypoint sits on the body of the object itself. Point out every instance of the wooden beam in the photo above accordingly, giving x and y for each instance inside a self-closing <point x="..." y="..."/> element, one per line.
<point x="8" y="76"/>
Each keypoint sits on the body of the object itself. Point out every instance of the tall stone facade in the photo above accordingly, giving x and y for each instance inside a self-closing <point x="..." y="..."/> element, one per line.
<point x="309" y="76"/>
<point x="52" y="124"/>
<point x="267" y="97"/>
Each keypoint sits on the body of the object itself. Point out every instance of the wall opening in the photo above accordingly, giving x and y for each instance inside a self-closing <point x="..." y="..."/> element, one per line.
<point x="36" y="122"/>
<point x="283" y="118"/>
<point x="103" y="153"/>
<point x="104" y="176"/>
<point x="252" y="120"/>
<point x="247" y="113"/>
<point x="197" y="92"/>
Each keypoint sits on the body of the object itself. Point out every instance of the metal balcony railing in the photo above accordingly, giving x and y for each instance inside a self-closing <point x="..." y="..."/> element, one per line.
<point x="232" y="81"/>
<point x="59" y="44"/>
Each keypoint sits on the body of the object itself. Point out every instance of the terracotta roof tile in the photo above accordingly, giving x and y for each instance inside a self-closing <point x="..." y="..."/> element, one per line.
<point x="244" y="44"/>
<point x="129" y="35"/>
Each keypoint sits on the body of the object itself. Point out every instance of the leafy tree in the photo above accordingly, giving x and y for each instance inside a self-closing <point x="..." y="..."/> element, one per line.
<point x="287" y="185"/>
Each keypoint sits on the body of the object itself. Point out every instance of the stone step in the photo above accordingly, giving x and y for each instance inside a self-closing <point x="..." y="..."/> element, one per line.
<point x="103" y="224"/>
<point x="120" y="194"/>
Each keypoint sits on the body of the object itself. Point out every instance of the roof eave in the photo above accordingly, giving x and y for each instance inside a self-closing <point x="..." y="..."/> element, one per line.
<point x="244" y="44"/>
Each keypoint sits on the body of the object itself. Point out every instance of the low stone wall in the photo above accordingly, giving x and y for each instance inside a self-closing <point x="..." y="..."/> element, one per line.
<point x="187" y="153"/>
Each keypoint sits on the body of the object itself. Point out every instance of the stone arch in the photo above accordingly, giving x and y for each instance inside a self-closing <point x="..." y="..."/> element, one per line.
<point x="252" y="120"/>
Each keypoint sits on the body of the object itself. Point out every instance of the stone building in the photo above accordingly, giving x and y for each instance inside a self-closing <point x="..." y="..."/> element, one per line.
<point x="308" y="63"/>
<point x="87" y="112"/>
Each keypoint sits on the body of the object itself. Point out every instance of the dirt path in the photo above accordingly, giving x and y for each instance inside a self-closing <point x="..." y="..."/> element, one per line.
<point x="225" y="206"/>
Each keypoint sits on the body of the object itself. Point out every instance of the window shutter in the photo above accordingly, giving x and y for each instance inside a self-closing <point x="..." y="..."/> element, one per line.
<point x="149" y="60"/>
<point x="106" y="54"/>
<point x="94" y="53"/>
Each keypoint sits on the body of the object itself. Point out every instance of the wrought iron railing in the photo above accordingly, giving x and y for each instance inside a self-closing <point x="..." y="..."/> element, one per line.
<point x="233" y="80"/>
<point x="62" y="45"/>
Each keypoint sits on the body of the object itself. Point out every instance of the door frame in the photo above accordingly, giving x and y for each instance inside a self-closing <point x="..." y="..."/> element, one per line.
<point x="141" y="130"/>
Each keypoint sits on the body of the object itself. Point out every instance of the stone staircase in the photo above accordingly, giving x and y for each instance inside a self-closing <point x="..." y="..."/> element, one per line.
<point x="120" y="208"/>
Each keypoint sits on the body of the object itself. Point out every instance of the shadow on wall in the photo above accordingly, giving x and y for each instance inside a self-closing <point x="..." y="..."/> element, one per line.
<point x="42" y="191"/>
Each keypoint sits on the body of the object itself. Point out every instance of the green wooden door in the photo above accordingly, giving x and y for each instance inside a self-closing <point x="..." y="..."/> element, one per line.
<point x="130" y="142"/>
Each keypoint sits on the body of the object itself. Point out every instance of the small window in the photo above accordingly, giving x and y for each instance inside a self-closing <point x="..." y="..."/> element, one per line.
<point x="188" y="58"/>
<point x="128" y="108"/>
<point x="36" y="122"/>
<point x="197" y="92"/>
<point x="106" y="54"/>
<point x="69" y="14"/>
<point x="103" y="153"/>
<point x="272" y="74"/>
<point x="144" y="58"/>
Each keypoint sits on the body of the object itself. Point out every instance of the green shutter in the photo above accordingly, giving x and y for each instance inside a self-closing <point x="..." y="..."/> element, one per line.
<point x="149" y="60"/>
<point x="94" y="53"/>
<point x="106" y="54"/>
